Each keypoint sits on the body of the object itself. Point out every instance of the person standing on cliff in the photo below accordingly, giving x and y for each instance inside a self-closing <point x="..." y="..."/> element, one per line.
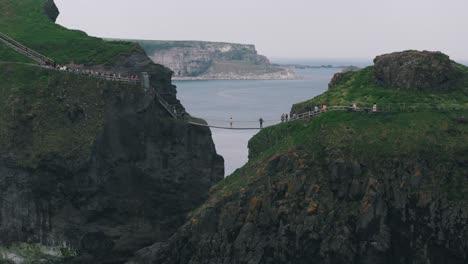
<point x="286" y="118"/>
<point x="261" y="122"/>
<point x="282" y="118"/>
<point x="230" y="122"/>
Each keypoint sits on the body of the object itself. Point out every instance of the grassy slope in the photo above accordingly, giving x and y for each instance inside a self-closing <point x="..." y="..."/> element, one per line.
<point x="35" y="108"/>
<point x="8" y="54"/>
<point x="23" y="20"/>
<point x="362" y="88"/>
<point x="374" y="137"/>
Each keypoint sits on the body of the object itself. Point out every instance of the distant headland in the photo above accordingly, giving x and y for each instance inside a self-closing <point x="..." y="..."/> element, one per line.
<point x="200" y="60"/>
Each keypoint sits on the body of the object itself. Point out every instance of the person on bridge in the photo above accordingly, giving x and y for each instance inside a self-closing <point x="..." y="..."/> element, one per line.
<point x="374" y="108"/>
<point x="261" y="122"/>
<point x="282" y="118"/>
<point x="230" y="122"/>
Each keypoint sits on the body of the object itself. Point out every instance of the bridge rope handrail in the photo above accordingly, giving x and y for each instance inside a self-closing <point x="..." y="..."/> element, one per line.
<point x="172" y="110"/>
<point x="25" y="50"/>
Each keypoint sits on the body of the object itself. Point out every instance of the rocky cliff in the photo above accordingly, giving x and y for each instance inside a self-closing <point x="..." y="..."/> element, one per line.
<point x="96" y="166"/>
<point x="415" y="70"/>
<point x="213" y="60"/>
<point x="347" y="187"/>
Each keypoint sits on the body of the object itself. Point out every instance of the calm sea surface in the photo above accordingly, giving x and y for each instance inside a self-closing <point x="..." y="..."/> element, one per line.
<point x="218" y="101"/>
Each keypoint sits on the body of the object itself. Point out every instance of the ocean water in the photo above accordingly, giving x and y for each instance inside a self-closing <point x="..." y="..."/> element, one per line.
<point x="246" y="101"/>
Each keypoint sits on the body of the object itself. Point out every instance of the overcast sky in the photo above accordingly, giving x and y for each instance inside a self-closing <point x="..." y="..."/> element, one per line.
<point x="283" y="28"/>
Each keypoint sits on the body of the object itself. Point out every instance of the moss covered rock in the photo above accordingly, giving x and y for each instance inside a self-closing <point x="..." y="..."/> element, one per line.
<point x="418" y="70"/>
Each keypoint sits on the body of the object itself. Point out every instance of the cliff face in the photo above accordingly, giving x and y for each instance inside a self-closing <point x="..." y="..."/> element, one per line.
<point x="51" y="10"/>
<point x="415" y="69"/>
<point x="345" y="187"/>
<point x="329" y="210"/>
<point x="213" y="60"/>
<point x="98" y="165"/>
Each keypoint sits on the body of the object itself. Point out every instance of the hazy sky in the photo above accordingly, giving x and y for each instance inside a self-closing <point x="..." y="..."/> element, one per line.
<point x="283" y="28"/>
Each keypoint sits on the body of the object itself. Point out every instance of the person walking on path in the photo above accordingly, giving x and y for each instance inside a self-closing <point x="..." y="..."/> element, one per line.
<point x="374" y="108"/>
<point x="261" y="122"/>
<point x="316" y="109"/>
<point x="286" y="118"/>
<point x="282" y="118"/>
<point x="230" y="122"/>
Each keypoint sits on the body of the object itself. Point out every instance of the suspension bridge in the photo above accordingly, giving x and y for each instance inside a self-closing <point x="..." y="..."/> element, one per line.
<point x="231" y="124"/>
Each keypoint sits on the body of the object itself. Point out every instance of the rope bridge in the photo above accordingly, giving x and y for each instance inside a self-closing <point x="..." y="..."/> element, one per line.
<point x="213" y="123"/>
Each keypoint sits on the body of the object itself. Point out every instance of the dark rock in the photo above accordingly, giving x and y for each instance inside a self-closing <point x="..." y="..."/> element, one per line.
<point x="337" y="78"/>
<point x="331" y="210"/>
<point x="51" y="10"/>
<point x="96" y="244"/>
<point x="133" y="186"/>
<point x="417" y="70"/>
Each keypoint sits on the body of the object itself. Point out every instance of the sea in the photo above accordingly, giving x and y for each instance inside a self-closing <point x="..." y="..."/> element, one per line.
<point x="246" y="101"/>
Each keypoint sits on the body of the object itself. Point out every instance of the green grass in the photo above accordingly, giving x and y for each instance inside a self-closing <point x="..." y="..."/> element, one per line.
<point x="362" y="88"/>
<point x="8" y="54"/>
<point x="374" y="138"/>
<point x="24" y="21"/>
<point x="35" y="108"/>
<point x="410" y="133"/>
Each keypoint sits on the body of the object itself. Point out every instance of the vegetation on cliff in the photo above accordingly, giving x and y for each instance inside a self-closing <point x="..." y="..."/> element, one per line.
<point x="409" y="122"/>
<point x="48" y="114"/>
<point x="364" y="89"/>
<point x="96" y="165"/>
<point x="213" y="60"/>
<point x="345" y="187"/>
<point x="26" y="22"/>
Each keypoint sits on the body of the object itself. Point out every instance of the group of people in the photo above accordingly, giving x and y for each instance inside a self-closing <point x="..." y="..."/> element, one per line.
<point x="354" y="107"/>
<point x="285" y="117"/>
<point x="98" y="74"/>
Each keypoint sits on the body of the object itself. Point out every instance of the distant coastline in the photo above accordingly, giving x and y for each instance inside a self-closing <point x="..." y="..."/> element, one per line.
<point x="283" y="74"/>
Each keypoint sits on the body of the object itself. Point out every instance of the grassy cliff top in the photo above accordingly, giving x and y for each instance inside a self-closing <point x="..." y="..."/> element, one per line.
<point x="26" y="22"/>
<point x="429" y="133"/>
<point x="362" y="87"/>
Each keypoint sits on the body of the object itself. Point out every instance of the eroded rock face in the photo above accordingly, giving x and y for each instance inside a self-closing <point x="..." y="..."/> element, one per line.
<point x="416" y="70"/>
<point x="328" y="210"/>
<point x="51" y="10"/>
<point x="336" y="80"/>
<point x="213" y="60"/>
<point x="132" y="187"/>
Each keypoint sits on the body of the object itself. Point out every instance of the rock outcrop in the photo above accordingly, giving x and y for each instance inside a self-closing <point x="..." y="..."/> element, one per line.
<point x="346" y="187"/>
<point x="337" y="79"/>
<point x="328" y="210"/>
<point x="100" y="166"/>
<point x="51" y="10"/>
<point x="213" y="60"/>
<point x="419" y="70"/>
<point x="95" y="166"/>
